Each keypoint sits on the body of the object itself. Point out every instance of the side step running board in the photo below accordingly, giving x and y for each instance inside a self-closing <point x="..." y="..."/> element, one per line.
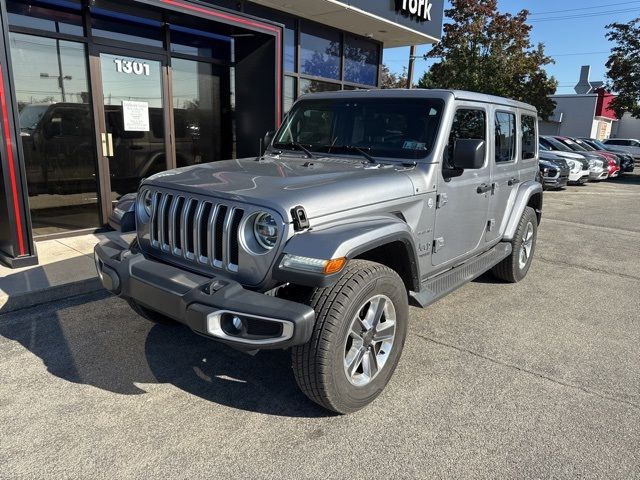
<point x="435" y="288"/>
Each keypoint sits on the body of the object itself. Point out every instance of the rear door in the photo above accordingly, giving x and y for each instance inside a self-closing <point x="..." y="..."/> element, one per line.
<point x="504" y="169"/>
<point x="463" y="200"/>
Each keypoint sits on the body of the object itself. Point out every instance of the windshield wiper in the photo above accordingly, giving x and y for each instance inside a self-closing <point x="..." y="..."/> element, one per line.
<point x="361" y="151"/>
<point x="297" y="145"/>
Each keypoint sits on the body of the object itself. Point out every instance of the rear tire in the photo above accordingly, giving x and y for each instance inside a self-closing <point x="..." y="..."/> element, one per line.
<point x="515" y="267"/>
<point x="357" y="340"/>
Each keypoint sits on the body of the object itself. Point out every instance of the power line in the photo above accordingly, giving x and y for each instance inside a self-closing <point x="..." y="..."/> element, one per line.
<point x="583" y="8"/>
<point x="578" y="16"/>
<point x="577" y="54"/>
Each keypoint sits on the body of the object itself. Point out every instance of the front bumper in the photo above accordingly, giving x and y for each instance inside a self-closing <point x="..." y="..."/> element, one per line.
<point x="558" y="181"/>
<point x="598" y="174"/>
<point x="580" y="177"/>
<point x="207" y="305"/>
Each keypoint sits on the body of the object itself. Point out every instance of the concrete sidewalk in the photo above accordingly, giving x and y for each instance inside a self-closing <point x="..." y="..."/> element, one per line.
<point x="65" y="269"/>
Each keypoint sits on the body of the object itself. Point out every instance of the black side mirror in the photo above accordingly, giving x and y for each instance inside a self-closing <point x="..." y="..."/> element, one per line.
<point x="53" y="128"/>
<point x="266" y="141"/>
<point x="469" y="154"/>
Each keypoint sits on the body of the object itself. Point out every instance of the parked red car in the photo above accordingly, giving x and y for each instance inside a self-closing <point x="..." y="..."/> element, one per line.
<point x="613" y="161"/>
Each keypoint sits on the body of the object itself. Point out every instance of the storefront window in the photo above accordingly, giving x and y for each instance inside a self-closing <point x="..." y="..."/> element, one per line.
<point x="289" y="92"/>
<point x="320" y="52"/>
<point x="56" y="129"/>
<point x="189" y="41"/>
<point x="360" y="61"/>
<point x="197" y="112"/>
<point x="126" y="28"/>
<point x="313" y="86"/>
<point x="64" y="19"/>
<point x="290" y="47"/>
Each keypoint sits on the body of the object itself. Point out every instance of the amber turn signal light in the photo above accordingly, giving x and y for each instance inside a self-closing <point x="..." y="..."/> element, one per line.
<point x="335" y="265"/>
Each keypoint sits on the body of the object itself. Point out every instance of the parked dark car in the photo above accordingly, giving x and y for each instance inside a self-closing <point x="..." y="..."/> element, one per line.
<point x="627" y="163"/>
<point x="554" y="171"/>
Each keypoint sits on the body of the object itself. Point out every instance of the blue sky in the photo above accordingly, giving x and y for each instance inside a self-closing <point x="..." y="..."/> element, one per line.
<point x="573" y="42"/>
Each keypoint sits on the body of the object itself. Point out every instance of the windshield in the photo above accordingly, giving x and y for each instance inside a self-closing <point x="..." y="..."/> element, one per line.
<point x="390" y="127"/>
<point x="599" y="144"/>
<point x="572" y="145"/>
<point x="555" y="144"/>
<point x="31" y="115"/>
<point x="585" y="145"/>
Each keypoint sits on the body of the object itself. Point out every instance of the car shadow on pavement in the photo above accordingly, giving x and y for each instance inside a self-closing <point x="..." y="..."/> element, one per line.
<point x="627" y="178"/>
<point x="262" y="383"/>
<point x="97" y="340"/>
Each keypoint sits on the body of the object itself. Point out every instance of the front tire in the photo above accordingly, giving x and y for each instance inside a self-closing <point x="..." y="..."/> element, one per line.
<point x="515" y="267"/>
<point x="360" y="329"/>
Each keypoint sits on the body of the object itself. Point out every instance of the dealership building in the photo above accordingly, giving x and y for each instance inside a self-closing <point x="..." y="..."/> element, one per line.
<point x="95" y="95"/>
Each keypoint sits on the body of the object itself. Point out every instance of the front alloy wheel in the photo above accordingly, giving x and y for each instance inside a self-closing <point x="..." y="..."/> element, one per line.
<point x="357" y="339"/>
<point x="370" y="340"/>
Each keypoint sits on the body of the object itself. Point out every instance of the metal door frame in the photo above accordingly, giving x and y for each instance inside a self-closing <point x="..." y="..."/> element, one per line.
<point x="100" y="125"/>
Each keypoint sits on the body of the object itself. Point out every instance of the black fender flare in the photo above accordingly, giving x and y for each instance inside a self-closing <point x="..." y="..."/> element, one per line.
<point x="349" y="238"/>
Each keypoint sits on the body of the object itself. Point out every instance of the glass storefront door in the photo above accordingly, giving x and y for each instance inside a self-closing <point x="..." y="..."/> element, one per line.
<point x="56" y="129"/>
<point x="197" y="111"/>
<point x="133" y="138"/>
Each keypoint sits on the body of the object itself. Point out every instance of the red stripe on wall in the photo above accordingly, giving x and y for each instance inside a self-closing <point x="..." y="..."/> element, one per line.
<point x="251" y="23"/>
<point x="11" y="162"/>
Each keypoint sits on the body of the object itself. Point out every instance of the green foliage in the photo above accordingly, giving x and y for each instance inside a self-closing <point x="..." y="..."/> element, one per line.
<point x="393" y="80"/>
<point x="485" y="51"/>
<point x="624" y="67"/>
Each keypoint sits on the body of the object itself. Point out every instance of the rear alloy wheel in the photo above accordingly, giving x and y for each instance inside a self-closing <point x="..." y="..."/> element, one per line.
<point x="360" y="329"/>
<point x="515" y="267"/>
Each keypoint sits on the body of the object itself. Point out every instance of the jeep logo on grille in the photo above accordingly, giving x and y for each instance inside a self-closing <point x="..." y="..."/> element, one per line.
<point x="421" y="9"/>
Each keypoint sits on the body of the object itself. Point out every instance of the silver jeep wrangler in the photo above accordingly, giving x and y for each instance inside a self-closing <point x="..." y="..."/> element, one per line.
<point x="364" y="202"/>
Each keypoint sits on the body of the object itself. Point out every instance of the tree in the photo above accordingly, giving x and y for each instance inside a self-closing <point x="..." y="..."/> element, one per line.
<point x="485" y="51"/>
<point x="623" y="67"/>
<point x="393" y="80"/>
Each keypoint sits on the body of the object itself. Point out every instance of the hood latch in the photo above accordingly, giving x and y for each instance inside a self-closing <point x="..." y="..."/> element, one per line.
<point x="300" y="219"/>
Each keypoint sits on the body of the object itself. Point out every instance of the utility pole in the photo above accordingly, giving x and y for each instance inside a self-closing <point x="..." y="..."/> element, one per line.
<point x="412" y="60"/>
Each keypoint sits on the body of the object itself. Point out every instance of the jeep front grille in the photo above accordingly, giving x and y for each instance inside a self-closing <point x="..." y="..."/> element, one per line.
<point x="201" y="231"/>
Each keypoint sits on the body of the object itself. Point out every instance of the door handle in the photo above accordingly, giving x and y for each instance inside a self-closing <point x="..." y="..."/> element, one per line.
<point x="513" y="181"/>
<point x="484" y="188"/>
<point x="107" y="144"/>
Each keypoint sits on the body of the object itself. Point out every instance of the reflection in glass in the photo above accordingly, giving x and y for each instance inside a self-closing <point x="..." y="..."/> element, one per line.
<point x="320" y="52"/>
<point x="126" y="28"/>
<point x="360" y="61"/>
<point x="138" y="146"/>
<point x="56" y="129"/>
<point x="289" y="93"/>
<point x="64" y="19"/>
<point x="313" y="86"/>
<point x="197" y="112"/>
<point x="190" y="41"/>
<point x="289" y="47"/>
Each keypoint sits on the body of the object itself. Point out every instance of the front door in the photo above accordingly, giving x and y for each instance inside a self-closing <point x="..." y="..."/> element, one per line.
<point x="133" y="119"/>
<point x="463" y="200"/>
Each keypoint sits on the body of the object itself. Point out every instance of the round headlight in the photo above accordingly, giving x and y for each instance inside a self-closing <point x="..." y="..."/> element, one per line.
<point x="265" y="229"/>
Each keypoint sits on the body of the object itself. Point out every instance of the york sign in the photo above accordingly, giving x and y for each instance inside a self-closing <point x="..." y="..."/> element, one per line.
<point x="419" y="8"/>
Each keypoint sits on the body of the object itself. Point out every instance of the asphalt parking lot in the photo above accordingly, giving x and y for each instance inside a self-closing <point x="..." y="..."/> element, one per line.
<point x="539" y="379"/>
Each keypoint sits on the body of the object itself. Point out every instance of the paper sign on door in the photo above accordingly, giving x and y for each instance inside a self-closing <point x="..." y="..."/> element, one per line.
<point x="136" y="116"/>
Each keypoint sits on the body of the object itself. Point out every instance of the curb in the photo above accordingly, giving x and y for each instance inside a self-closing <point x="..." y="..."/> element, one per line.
<point x="50" y="294"/>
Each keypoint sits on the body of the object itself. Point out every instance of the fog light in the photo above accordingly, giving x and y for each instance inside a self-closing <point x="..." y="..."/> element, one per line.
<point x="233" y="325"/>
<point x="237" y="323"/>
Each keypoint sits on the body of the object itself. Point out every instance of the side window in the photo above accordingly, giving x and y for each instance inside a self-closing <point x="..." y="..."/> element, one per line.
<point x="468" y="124"/>
<point x="505" y="137"/>
<point x="528" y="137"/>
